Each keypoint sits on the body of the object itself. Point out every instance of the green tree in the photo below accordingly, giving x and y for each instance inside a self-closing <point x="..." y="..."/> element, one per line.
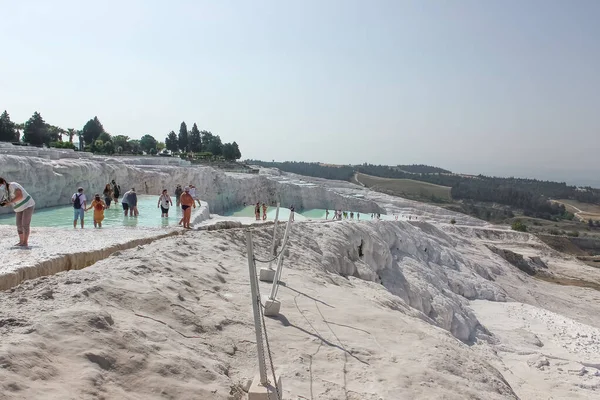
<point x="236" y="149"/>
<point x="147" y="142"/>
<point x="122" y="142"/>
<point x="215" y="146"/>
<point x="105" y="137"/>
<point x="92" y="130"/>
<point x="519" y="226"/>
<point x="97" y="146"/>
<point x="183" y="138"/>
<point x="172" y="142"/>
<point x="207" y="138"/>
<point x="228" y="152"/>
<point x="71" y="132"/>
<point x="194" y="140"/>
<point x="109" y="147"/>
<point x="160" y="146"/>
<point x="36" y="130"/>
<point x="8" y="131"/>
<point x="134" y="147"/>
<point x="55" y="133"/>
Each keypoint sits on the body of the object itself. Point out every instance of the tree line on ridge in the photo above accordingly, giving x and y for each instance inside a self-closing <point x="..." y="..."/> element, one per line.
<point x="93" y="137"/>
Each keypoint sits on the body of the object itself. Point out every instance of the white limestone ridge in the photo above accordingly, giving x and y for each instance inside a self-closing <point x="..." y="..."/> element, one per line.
<point x="53" y="182"/>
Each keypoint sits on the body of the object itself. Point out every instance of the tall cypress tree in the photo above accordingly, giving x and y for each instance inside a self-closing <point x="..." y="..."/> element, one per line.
<point x="36" y="130"/>
<point x="8" y="133"/>
<point x="183" y="138"/>
<point x="92" y="130"/>
<point x="194" y="140"/>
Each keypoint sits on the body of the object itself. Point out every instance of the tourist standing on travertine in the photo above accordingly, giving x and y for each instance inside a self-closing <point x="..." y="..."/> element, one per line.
<point x="194" y="194"/>
<point x="12" y="194"/>
<point x="257" y="211"/>
<point x="187" y="202"/>
<point x="264" y="208"/>
<point x="178" y="192"/>
<point x="79" y="202"/>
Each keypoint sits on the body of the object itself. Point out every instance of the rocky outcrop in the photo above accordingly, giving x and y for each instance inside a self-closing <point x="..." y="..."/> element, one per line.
<point x="529" y="265"/>
<point x="419" y="263"/>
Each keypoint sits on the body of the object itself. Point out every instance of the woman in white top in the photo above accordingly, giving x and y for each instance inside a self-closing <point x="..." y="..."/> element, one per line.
<point x="13" y="194"/>
<point x="164" y="201"/>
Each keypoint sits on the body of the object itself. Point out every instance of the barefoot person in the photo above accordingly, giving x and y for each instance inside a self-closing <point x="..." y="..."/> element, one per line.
<point x="125" y="204"/>
<point x="12" y="194"/>
<point x="187" y="202"/>
<point x="264" y="208"/>
<point x="194" y="194"/>
<point x="257" y="211"/>
<point x="178" y="192"/>
<point x="108" y="194"/>
<point x="164" y="201"/>
<point x="131" y="197"/>
<point x="98" y="205"/>
<point x="79" y="202"/>
<point x="116" y="189"/>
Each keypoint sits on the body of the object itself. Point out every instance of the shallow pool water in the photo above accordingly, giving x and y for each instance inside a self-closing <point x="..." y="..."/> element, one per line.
<point x="284" y="214"/>
<point x="62" y="216"/>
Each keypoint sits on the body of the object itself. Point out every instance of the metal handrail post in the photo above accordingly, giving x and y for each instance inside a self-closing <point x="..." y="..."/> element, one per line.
<point x="262" y="369"/>
<point x="280" y="259"/>
<point x="274" y="235"/>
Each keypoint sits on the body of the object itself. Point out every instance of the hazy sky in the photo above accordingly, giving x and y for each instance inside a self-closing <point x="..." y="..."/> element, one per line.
<point x="498" y="87"/>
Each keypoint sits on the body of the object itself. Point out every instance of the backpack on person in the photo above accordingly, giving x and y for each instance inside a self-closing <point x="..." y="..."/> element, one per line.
<point x="77" y="202"/>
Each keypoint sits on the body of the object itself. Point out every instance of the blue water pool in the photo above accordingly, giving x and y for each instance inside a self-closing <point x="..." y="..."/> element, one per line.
<point x="284" y="213"/>
<point x="62" y="216"/>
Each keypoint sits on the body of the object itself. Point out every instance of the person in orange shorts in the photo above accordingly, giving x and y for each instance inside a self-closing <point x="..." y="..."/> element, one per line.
<point x="98" y="205"/>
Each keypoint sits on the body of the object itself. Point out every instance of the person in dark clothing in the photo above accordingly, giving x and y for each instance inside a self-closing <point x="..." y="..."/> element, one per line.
<point x="116" y="191"/>
<point x="178" y="192"/>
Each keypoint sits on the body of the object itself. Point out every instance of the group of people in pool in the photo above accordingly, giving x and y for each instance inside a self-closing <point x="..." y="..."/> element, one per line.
<point x="186" y="198"/>
<point x="257" y="209"/>
<point x="111" y="192"/>
<point x="13" y="194"/>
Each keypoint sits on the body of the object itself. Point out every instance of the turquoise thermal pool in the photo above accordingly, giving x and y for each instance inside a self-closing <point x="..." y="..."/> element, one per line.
<point x="300" y="215"/>
<point x="62" y="216"/>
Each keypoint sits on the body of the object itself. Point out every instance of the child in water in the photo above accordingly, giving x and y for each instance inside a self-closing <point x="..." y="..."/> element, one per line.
<point x="98" y="205"/>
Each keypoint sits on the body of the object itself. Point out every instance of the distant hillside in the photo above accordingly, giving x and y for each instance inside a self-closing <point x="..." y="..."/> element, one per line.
<point x="406" y="188"/>
<point x="422" y="169"/>
<point x="529" y="195"/>
<point x="317" y="170"/>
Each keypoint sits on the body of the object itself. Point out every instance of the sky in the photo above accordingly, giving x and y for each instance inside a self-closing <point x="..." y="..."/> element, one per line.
<point x="499" y="87"/>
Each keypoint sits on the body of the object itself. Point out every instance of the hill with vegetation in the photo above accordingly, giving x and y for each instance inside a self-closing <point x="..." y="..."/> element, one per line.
<point x="502" y="195"/>
<point x="422" y="169"/>
<point x="409" y="188"/>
